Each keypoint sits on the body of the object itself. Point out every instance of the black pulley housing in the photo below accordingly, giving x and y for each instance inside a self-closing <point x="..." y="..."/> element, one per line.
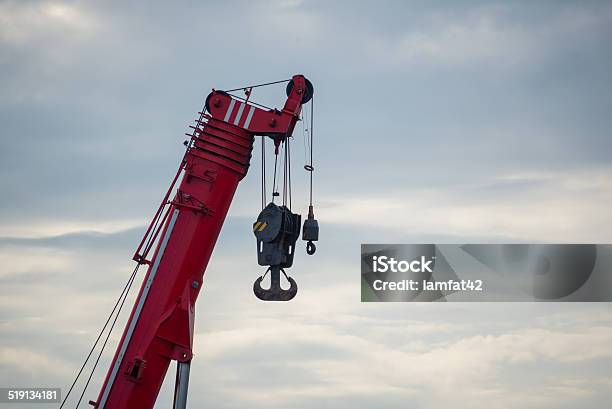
<point x="276" y="230"/>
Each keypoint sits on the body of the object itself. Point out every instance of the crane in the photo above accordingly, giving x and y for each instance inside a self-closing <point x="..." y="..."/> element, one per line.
<point x="178" y="243"/>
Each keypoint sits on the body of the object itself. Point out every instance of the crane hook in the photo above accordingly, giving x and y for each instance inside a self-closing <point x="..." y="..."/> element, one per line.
<point x="275" y="292"/>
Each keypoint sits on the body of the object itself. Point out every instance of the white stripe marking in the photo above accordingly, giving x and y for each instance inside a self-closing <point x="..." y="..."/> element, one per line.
<point x="239" y="114"/>
<point x="229" y="110"/>
<point x="141" y="301"/>
<point x="249" y="116"/>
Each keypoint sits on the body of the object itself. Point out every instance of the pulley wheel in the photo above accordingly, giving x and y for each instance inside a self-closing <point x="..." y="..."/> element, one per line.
<point x="207" y="103"/>
<point x="307" y="95"/>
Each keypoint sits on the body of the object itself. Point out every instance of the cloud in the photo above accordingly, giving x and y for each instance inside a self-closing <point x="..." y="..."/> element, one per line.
<point x="51" y="228"/>
<point x="25" y="22"/>
<point x="17" y="261"/>
<point x="488" y="35"/>
<point x="434" y="369"/>
<point x="324" y="346"/>
<point x="549" y="207"/>
<point x="31" y="363"/>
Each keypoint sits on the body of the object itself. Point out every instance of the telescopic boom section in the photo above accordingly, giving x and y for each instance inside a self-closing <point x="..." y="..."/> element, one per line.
<point x="160" y="327"/>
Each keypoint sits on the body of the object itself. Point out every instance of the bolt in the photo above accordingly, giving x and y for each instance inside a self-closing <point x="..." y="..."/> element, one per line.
<point x="195" y="284"/>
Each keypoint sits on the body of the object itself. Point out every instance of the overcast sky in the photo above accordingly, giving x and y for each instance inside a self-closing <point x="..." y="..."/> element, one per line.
<point x="434" y="122"/>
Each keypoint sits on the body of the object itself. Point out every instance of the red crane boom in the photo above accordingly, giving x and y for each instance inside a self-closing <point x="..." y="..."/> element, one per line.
<point x="160" y="326"/>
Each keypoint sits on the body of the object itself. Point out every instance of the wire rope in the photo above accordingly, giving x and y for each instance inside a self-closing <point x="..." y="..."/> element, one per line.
<point x="119" y="301"/>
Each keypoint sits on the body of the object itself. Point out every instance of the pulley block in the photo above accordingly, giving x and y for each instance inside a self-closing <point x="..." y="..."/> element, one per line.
<point x="307" y="96"/>
<point x="276" y="231"/>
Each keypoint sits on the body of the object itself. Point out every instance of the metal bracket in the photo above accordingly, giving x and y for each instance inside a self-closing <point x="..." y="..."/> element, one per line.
<point x="188" y="201"/>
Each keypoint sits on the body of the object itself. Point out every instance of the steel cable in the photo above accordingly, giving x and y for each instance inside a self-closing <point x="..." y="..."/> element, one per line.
<point x="258" y="85"/>
<point x="107" y="337"/>
<point x="123" y="294"/>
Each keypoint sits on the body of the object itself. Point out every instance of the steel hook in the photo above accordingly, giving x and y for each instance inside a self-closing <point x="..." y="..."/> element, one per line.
<point x="275" y="292"/>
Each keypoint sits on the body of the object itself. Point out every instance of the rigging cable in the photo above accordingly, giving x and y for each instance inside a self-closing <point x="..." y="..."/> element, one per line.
<point x="285" y="171"/>
<point x="289" y="167"/>
<point x="130" y="282"/>
<point x="274" y="192"/>
<point x="263" y="173"/>
<point x="258" y="85"/>
<point x="119" y="303"/>
<point x="309" y="167"/>
<point x="305" y="131"/>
